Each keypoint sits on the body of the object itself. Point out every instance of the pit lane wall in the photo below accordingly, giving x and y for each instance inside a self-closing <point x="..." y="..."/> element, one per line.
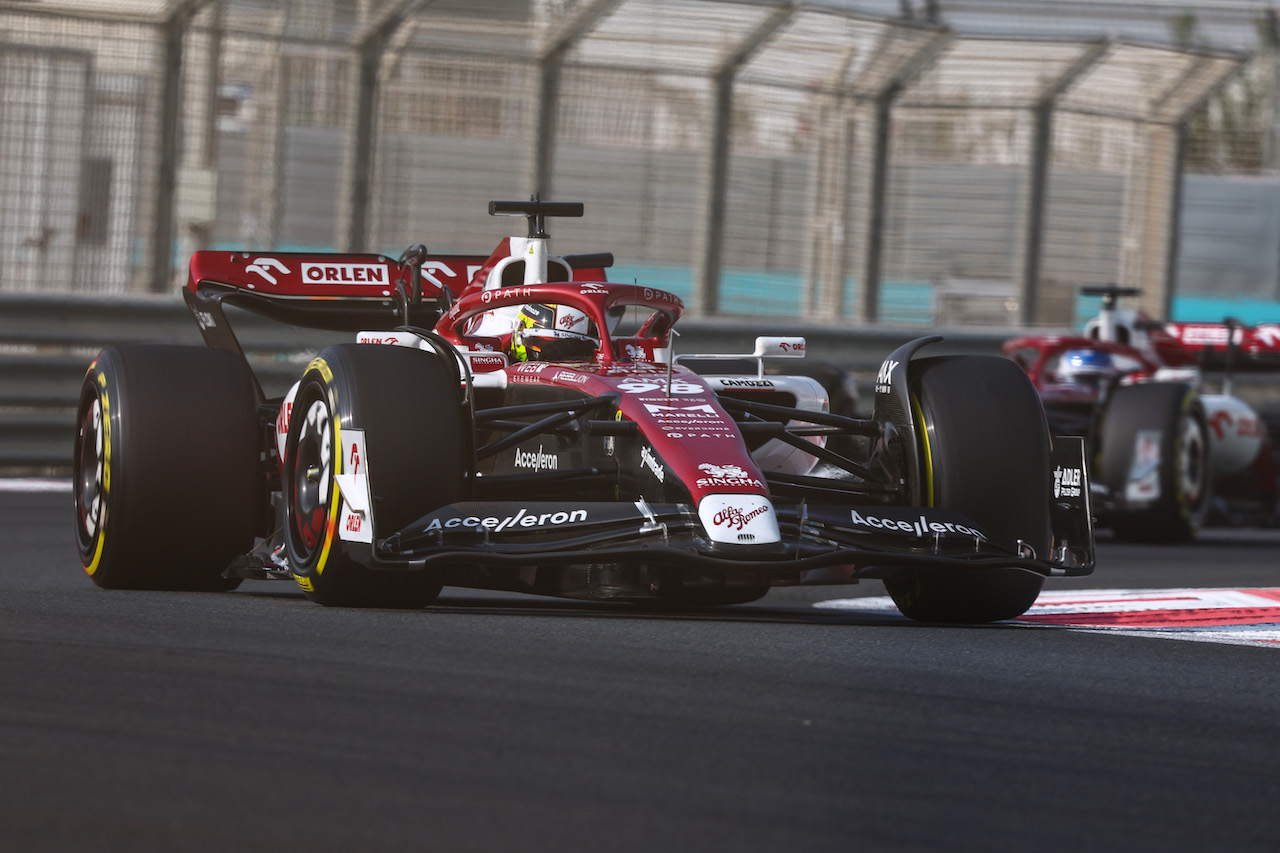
<point x="47" y="342"/>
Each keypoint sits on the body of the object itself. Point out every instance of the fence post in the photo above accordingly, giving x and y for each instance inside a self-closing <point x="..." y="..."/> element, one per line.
<point x="371" y="42"/>
<point x="923" y="57"/>
<point x="706" y="283"/>
<point x="172" y="29"/>
<point x="875" y="216"/>
<point x="1041" y="150"/>
<point x="1175" y="218"/>
<point x="550" y="61"/>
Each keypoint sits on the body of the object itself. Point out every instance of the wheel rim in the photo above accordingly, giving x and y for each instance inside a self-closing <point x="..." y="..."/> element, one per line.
<point x="311" y="468"/>
<point x="90" y="473"/>
<point x="1192" y="464"/>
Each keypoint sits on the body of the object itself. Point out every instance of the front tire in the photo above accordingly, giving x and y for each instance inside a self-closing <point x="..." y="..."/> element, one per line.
<point x="407" y="402"/>
<point x="166" y="457"/>
<point x="1154" y="441"/>
<point x="985" y="454"/>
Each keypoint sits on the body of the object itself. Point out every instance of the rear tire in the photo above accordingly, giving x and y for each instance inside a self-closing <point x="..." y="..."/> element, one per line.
<point x="408" y="403"/>
<point x="1169" y="419"/>
<point x="985" y="454"/>
<point x="166" y="467"/>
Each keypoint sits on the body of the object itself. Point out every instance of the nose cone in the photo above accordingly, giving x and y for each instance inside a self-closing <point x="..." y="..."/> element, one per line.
<point x="739" y="519"/>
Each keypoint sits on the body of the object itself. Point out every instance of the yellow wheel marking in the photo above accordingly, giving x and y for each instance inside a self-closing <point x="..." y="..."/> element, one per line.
<point x="106" y="477"/>
<point x="319" y="364"/>
<point x="926" y="464"/>
<point x="335" y="497"/>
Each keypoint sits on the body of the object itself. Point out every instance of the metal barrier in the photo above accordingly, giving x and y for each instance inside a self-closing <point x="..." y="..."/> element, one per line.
<point x="778" y="157"/>
<point x="47" y="343"/>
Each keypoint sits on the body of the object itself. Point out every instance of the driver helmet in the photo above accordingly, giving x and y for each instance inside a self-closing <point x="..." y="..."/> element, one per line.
<point x="552" y="333"/>
<point x="1085" y="367"/>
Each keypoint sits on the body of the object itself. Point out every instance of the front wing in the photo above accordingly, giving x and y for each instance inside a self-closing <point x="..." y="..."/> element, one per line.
<point x="870" y="539"/>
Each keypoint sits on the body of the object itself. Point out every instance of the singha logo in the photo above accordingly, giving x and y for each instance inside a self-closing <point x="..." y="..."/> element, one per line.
<point x="722" y="471"/>
<point x="725" y="475"/>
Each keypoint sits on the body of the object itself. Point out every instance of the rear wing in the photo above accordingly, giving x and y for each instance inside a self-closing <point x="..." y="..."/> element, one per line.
<point x="1229" y="345"/>
<point x="322" y="290"/>
<point x="342" y="292"/>
<point x="349" y="292"/>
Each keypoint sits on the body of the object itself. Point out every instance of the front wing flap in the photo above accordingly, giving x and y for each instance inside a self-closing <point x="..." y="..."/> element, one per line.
<point x="872" y="539"/>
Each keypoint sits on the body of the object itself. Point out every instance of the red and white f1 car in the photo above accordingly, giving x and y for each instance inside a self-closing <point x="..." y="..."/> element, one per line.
<point x="517" y="422"/>
<point x="1165" y="453"/>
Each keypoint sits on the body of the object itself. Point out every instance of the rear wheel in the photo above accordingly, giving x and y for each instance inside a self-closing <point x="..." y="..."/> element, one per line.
<point x="1154" y="454"/>
<point x="165" y="463"/>
<point x="406" y="404"/>
<point x="985" y="454"/>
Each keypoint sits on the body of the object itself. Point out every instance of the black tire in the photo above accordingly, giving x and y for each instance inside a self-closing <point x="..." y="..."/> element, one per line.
<point x="408" y="403"/>
<point x="985" y="453"/>
<point x="1171" y="415"/>
<point x="166" y="467"/>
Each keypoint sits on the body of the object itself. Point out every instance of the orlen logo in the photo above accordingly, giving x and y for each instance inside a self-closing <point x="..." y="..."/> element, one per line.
<point x="1268" y="335"/>
<point x="734" y="518"/>
<point x="1246" y="427"/>
<point x="267" y="268"/>
<point x="797" y="346"/>
<point x="344" y="274"/>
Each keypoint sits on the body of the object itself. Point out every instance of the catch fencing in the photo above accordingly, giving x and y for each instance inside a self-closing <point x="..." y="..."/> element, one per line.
<point x="763" y="159"/>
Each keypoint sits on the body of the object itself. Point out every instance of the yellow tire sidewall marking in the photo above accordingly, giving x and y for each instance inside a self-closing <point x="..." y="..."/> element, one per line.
<point x="335" y="496"/>
<point x="105" y="404"/>
<point x="926" y="463"/>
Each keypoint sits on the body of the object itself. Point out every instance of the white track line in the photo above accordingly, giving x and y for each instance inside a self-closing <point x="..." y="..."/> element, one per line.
<point x="34" y="484"/>
<point x="1236" y="616"/>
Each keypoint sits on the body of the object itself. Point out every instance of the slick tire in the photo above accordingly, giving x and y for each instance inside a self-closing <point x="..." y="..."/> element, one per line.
<point x="166" y="467"/>
<point x="407" y="403"/>
<point x="1161" y="425"/>
<point x="984" y="450"/>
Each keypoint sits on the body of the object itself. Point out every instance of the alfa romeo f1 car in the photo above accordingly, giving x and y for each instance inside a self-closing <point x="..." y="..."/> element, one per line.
<point x="1165" y="454"/>
<point x="518" y="422"/>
